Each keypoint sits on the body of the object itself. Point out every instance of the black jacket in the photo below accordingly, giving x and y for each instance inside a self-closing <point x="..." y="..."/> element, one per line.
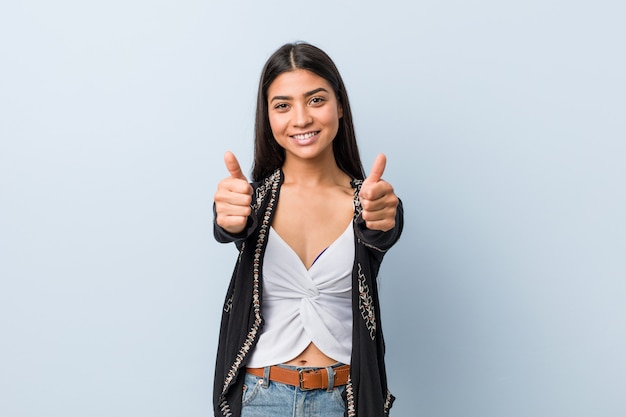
<point x="366" y="394"/>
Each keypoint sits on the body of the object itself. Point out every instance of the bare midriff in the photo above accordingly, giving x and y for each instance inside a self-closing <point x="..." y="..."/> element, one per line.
<point x="311" y="356"/>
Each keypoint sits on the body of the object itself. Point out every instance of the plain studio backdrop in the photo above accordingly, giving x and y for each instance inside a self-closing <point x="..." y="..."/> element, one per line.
<point x="504" y="124"/>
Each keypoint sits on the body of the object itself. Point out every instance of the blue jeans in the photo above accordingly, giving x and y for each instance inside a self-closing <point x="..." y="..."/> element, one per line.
<point x="273" y="399"/>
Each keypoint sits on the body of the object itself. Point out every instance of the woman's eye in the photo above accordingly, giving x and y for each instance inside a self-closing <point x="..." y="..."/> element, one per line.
<point x="317" y="100"/>
<point x="281" y="106"/>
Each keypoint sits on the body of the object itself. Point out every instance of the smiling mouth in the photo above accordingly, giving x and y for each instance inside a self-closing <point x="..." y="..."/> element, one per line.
<point x="305" y="136"/>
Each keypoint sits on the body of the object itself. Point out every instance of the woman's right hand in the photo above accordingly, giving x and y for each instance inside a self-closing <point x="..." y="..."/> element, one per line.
<point x="233" y="198"/>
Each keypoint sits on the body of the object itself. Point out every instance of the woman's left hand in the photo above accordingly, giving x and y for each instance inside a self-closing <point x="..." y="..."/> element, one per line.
<point x="378" y="200"/>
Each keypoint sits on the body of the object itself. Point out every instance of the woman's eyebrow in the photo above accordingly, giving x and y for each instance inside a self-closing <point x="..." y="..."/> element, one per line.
<point x="307" y="94"/>
<point x="317" y="90"/>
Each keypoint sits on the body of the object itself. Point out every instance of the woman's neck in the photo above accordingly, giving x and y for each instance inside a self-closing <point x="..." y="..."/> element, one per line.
<point x="312" y="173"/>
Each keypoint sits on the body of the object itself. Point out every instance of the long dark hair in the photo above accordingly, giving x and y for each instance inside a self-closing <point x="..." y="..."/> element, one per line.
<point x="268" y="155"/>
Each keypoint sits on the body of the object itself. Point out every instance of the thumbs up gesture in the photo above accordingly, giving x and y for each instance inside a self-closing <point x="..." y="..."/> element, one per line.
<point x="233" y="198"/>
<point x="378" y="200"/>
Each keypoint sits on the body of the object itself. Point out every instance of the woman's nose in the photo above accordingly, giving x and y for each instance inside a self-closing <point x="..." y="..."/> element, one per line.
<point x="302" y="117"/>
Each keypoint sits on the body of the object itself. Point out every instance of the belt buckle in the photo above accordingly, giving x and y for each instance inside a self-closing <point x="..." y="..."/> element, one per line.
<point x="301" y="373"/>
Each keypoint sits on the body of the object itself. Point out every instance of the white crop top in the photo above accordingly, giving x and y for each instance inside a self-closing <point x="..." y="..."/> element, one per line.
<point x="301" y="306"/>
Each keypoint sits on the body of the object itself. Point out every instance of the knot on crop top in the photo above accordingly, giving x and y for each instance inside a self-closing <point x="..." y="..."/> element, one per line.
<point x="301" y="306"/>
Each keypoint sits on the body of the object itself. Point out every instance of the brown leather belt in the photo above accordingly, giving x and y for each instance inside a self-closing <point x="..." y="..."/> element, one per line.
<point x="306" y="379"/>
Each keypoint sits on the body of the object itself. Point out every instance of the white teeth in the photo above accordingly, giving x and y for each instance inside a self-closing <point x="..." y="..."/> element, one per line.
<point x="304" y="136"/>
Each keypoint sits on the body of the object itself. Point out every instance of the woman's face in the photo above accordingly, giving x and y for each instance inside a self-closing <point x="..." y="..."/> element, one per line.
<point x="304" y="114"/>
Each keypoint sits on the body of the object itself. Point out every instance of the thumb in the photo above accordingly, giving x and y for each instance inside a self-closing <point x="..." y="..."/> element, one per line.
<point x="232" y="165"/>
<point x="377" y="168"/>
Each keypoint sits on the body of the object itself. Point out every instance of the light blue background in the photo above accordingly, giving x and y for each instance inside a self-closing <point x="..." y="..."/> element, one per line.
<point x="504" y="126"/>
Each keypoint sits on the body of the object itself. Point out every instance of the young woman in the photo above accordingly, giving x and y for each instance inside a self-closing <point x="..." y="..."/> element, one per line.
<point x="300" y="332"/>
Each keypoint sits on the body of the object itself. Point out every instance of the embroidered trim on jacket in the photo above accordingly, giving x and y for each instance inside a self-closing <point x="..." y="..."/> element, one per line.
<point x="351" y="407"/>
<point x="269" y="182"/>
<point x="388" y="402"/>
<point x="228" y="305"/>
<point x="366" y="306"/>
<point x="372" y="246"/>
<point x="356" y="184"/>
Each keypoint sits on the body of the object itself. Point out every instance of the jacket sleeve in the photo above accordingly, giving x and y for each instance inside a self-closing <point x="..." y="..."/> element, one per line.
<point x="378" y="241"/>
<point x="223" y="236"/>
